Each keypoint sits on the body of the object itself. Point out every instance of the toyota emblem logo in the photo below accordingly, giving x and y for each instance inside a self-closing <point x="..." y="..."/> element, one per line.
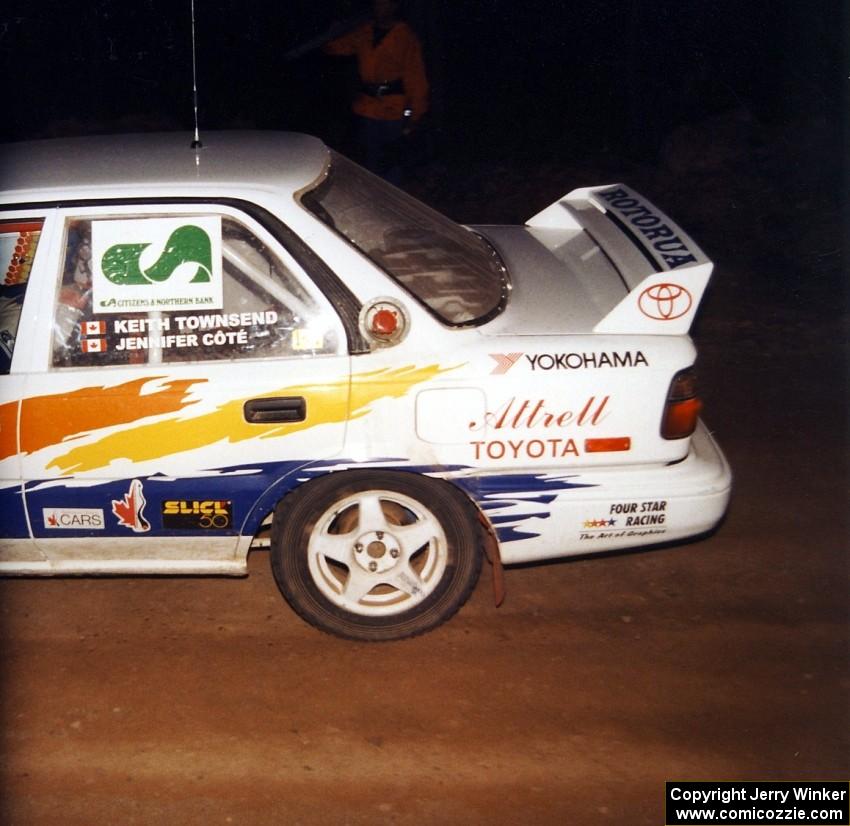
<point x="664" y="302"/>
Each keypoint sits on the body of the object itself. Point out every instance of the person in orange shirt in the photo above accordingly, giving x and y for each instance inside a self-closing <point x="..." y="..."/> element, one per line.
<point x="393" y="93"/>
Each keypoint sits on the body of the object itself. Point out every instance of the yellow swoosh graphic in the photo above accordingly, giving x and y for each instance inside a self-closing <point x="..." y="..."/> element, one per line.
<point x="326" y="404"/>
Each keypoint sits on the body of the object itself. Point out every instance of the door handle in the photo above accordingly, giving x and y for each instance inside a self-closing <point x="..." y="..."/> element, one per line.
<point x="275" y="409"/>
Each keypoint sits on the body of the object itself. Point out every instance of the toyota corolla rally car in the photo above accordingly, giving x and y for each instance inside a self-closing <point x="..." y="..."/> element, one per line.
<point x="196" y="343"/>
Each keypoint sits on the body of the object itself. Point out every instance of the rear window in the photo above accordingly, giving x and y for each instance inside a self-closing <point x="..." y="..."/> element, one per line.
<point x="452" y="270"/>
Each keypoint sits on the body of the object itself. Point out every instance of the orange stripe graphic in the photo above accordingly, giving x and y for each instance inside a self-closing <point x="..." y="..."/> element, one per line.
<point x="57" y="418"/>
<point x="8" y="429"/>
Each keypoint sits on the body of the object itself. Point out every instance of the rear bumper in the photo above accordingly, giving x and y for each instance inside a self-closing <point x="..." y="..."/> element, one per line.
<point x="549" y="516"/>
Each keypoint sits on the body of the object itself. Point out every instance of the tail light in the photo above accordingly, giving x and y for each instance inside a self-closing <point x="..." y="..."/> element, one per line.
<point x="682" y="408"/>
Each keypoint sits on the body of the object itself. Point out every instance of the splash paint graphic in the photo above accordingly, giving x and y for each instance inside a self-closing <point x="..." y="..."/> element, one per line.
<point x="8" y="429"/>
<point x="62" y="417"/>
<point x="331" y="403"/>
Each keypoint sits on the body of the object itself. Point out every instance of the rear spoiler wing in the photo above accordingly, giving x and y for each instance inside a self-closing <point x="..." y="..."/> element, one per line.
<point x="664" y="270"/>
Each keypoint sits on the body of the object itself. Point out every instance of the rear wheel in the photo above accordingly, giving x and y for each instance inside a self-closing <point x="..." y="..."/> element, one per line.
<point x="375" y="555"/>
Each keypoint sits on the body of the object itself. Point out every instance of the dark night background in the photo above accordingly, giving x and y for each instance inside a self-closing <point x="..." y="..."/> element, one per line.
<point x="727" y="113"/>
<point x="539" y="78"/>
<point x="177" y="701"/>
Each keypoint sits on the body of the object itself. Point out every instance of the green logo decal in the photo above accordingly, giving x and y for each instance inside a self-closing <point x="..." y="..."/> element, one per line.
<point x="187" y="244"/>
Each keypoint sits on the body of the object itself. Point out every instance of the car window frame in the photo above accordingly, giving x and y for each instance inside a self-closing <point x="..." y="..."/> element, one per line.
<point x="291" y="289"/>
<point x="318" y="212"/>
<point x="24" y="357"/>
<point x="340" y="298"/>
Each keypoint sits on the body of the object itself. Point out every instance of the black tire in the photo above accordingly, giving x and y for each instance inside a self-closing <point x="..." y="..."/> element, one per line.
<point x="375" y="555"/>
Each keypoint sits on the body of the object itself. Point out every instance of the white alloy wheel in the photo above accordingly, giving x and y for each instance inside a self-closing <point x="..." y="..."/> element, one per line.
<point x="377" y="552"/>
<point x="361" y="554"/>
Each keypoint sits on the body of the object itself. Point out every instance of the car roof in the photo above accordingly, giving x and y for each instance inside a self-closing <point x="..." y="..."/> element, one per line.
<point x="104" y="166"/>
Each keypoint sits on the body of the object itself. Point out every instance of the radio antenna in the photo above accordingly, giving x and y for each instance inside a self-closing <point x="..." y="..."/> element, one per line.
<point x="196" y="143"/>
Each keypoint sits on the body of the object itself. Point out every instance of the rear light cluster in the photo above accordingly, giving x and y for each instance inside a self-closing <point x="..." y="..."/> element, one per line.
<point x="683" y="406"/>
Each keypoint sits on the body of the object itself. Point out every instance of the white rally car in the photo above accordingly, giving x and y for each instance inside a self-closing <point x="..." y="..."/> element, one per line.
<point x="197" y="342"/>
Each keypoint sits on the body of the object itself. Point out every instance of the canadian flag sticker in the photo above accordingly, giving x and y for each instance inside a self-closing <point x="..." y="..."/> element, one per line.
<point x="93" y="328"/>
<point x="93" y="345"/>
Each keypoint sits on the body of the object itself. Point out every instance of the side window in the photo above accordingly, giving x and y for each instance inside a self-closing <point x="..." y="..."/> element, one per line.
<point x="18" y="240"/>
<point x="165" y="289"/>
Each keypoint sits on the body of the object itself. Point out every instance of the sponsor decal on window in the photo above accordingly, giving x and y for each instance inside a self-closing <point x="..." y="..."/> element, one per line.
<point x="17" y="248"/>
<point x="201" y="330"/>
<point x="303" y="338"/>
<point x="147" y="264"/>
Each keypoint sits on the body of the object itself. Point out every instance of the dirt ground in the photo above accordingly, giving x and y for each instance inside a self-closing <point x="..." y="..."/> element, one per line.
<point x="187" y="701"/>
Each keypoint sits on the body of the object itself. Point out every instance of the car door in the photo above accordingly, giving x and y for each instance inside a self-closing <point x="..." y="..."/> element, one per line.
<point x="191" y="366"/>
<point x="21" y="234"/>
